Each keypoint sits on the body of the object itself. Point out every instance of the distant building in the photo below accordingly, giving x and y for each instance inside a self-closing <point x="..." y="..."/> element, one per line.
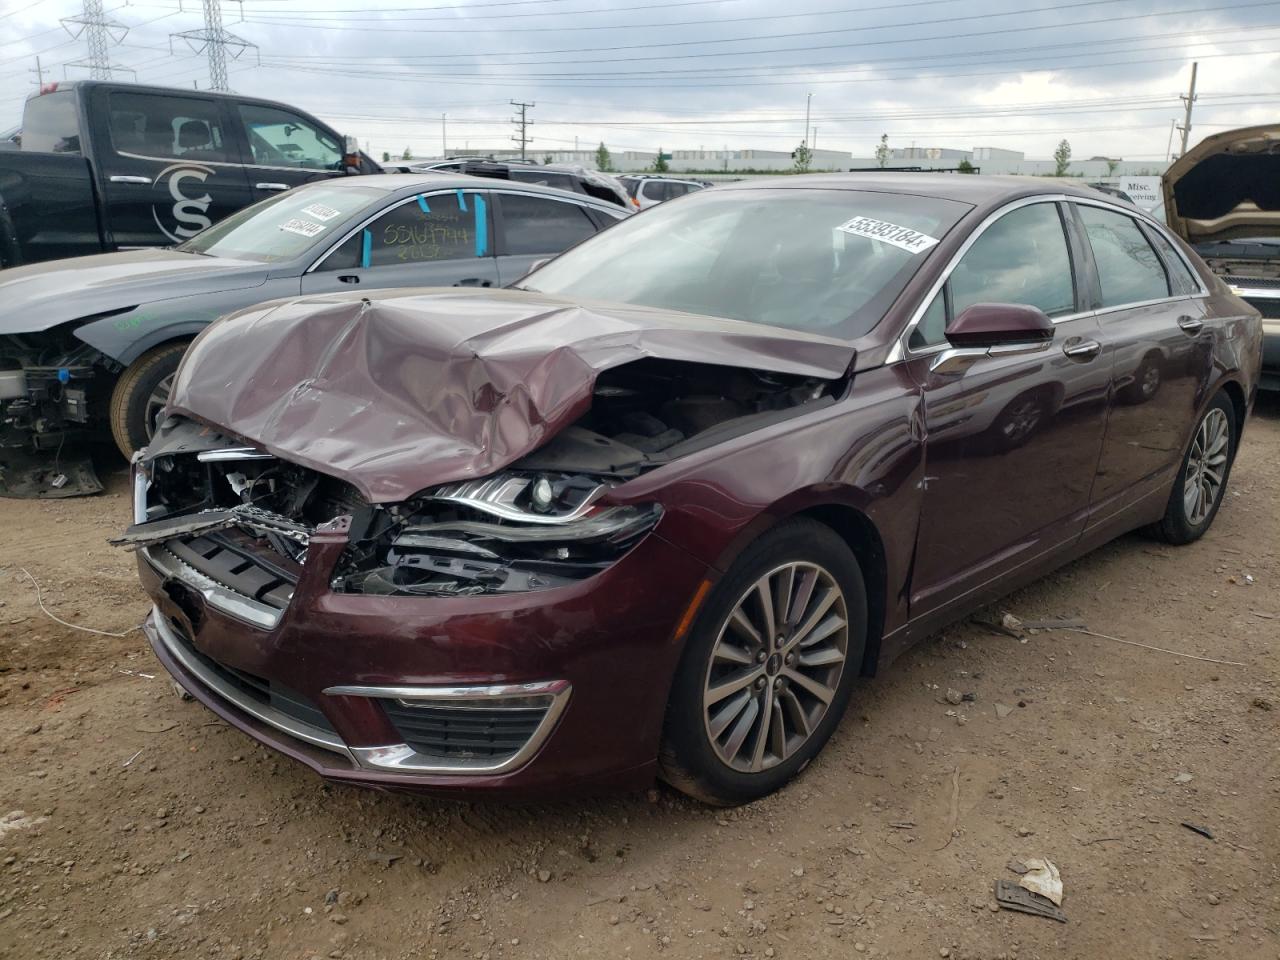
<point x="929" y="153"/>
<point x="997" y="155"/>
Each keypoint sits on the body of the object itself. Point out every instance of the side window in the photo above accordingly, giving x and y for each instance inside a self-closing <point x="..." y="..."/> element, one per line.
<point x="1021" y="258"/>
<point x="932" y="326"/>
<point x="1128" y="269"/>
<point x="181" y="128"/>
<point x="542" y="225"/>
<point x="654" y="190"/>
<point x="425" y="229"/>
<point x="278" y="138"/>
<point x="1180" y="277"/>
<point x="51" y="123"/>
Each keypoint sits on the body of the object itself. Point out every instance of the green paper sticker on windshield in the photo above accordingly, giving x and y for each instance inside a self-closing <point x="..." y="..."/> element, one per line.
<point x="904" y="238"/>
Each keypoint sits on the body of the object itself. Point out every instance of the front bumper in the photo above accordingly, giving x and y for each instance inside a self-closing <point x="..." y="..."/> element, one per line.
<point x="338" y="679"/>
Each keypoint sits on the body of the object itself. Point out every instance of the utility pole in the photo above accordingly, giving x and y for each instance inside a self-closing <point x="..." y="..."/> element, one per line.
<point x="1188" y="99"/>
<point x="1168" y="150"/>
<point x="97" y="30"/>
<point x="808" y="98"/>
<point x="444" y="139"/>
<point x="523" y="123"/>
<point x="214" y="40"/>
<point x="39" y="72"/>
<point x="815" y="139"/>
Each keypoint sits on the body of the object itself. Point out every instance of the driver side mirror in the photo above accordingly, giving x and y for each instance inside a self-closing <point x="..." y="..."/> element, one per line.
<point x="992" y="329"/>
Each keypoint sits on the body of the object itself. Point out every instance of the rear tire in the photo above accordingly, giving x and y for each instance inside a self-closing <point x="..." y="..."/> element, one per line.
<point x="789" y="690"/>
<point x="141" y="393"/>
<point x="1202" y="480"/>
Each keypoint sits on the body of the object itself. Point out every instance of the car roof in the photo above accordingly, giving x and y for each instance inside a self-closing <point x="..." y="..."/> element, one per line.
<point x="963" y="187"/>
<point x="410" y="183"/>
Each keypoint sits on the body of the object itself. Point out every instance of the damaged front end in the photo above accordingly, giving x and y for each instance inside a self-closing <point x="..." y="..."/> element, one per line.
<point x="208" y="507"/>
<point x="52" y="390"/>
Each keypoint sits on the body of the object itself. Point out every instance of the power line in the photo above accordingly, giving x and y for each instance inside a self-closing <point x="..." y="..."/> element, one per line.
<point x="523" y="123"/>
<point x="215" y="40"/>
<point x="94" y="26"/>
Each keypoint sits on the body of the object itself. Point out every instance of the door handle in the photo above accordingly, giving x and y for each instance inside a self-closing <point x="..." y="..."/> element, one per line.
<point x="1083" y="350"/>
<point x="348" y="278"/>
<point x="1190" y="325"/>
<point x="272" y="186"/>
<point x="474" y="282"/>
<point x="120" y="178"/>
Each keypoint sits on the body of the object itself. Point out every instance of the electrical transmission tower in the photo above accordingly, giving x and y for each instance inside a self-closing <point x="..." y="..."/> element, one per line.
<point x="215" y="40"/>
<point x="522" y="122"/>
<point x="97" y="31"/>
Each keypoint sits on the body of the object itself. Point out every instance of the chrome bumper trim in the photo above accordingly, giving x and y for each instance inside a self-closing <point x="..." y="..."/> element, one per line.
<point x="268" y="715"/>
<point x="215" y="594"/>
<point x="402" y="758"/>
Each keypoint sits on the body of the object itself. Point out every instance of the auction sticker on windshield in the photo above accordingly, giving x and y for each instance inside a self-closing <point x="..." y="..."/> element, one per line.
<point x="304" y="228"/>
<point x="321" y="212"/>
<point x="904" y="238"/>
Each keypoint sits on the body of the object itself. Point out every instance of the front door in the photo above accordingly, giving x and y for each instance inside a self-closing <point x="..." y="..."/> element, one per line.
<point x="434" y="240"/>
<point x="283" y="150"/>
<point x="1162" y="345"/>
<point x="1011" y="442"/>
<point x="168" y="164"/>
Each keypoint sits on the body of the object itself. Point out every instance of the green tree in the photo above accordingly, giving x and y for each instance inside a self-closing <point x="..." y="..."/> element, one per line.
<point x="882" y="151"/>
<point x="803" y="156"/>
<point x="603" y="161"/>
<point x="660" y="164"/>
<point x="546" y="159"/>
<point x="1111" y="167"/>
<point x="385" y="156"/>
<point x="407" y="155"/>
<point x="1061" y="159"/>
<point x="964" y="166"/>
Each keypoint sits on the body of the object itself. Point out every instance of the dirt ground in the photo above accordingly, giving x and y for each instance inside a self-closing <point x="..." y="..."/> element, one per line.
<point x="133" y="824"/>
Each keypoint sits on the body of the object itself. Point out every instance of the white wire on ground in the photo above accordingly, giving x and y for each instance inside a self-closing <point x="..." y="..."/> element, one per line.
<point x="73" y="626"/>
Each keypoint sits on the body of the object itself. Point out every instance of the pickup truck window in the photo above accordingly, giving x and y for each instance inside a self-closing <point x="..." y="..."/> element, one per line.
<point x="286" y="225"/>
<point x="51" y="124"/>
<point x="166" y="126"/>
<point x="278" y="138"/>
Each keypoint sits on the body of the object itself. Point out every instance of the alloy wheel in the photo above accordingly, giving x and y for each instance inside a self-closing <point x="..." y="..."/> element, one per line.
<point x="1022" y="420"/>
<point x="775" y="667"/>
<point x="1206" y="467"/>
<point x="156" y="403"/>
<point x="1150" y="382"/>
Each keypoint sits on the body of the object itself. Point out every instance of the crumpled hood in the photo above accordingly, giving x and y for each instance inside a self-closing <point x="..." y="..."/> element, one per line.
<point x="39" y="296"/>
<point x="1226" y="187"/>
<point x="417" y="388"/>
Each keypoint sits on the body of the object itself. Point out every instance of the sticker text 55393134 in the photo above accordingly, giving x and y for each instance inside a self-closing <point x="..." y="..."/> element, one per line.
<point x="904" y="238"/>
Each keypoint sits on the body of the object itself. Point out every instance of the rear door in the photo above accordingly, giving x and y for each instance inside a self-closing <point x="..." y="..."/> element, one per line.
<point x="1152" y="319"/>
<point x="438" y="239"/>
<point x="533" y="227"/>
<point x="283" y="149"/>
<point x="168" y="163"/>
<point x="1011" y="442"/>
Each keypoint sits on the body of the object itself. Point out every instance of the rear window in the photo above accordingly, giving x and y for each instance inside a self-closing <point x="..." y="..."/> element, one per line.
<point x="287" y="225"/>
<point x="51" y="124"/>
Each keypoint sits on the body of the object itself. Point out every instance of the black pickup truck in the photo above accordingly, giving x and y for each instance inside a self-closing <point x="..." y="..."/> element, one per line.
<point x="112" y="166"/>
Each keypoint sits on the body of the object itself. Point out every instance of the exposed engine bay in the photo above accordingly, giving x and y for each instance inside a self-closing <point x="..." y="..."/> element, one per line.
<point x="541" y="522"/>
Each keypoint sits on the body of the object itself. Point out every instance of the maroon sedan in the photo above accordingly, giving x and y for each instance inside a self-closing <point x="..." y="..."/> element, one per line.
<point x="654" y="510"/>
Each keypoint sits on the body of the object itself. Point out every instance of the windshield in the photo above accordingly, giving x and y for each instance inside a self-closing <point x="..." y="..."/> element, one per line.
<point x="825" y="261"/>
<point x="285" y="226"/>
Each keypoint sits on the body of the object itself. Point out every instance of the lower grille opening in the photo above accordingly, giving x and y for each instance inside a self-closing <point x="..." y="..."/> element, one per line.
<point x="267" y="693"/>
<point x="460" y="731"/>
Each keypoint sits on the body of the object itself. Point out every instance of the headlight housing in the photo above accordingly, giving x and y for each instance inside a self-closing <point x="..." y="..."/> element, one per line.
<point x="512" y="532"/>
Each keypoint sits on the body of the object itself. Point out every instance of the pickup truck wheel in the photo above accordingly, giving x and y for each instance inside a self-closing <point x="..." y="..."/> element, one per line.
<point x="141" y="393"/>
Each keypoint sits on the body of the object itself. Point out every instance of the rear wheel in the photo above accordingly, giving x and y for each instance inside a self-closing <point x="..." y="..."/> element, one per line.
<point x="1198" y="489"/>
<point x="141" y="393"/>
<point x="769" y="667"/>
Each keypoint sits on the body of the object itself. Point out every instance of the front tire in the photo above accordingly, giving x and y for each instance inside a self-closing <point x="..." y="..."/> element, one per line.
<point x="1201" y="482"/>
<point x="769" y="667"/>
<point x="141" y="393"/>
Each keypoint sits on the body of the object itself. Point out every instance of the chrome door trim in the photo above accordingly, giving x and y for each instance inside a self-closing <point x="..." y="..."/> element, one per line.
<point x="129" y="178"/>
<point x="901" y="351"/>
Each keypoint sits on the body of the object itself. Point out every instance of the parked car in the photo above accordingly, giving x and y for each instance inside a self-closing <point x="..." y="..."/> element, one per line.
<point x="658" y="506"/>
<point x="645" y="190"/>
<point x="1223" y="197"/>
<point x="566" y="176"/>
<point x="93" y="341"/>
<point x="113" y="166"/>
<point x="11" y="139"/>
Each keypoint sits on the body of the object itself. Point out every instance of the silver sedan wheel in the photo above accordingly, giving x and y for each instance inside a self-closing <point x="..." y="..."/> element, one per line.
<point x="1206" y="467"/>
<point x="156" y="403"/>
<point x="775" y="667"/>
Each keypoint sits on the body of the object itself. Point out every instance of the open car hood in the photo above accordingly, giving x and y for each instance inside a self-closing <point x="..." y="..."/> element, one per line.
<point x="417" y="388"/>
<point x="1227" y="187"/>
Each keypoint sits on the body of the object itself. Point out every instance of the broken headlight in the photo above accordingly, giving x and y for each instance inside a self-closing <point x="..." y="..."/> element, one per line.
<point x="513" y="532"/>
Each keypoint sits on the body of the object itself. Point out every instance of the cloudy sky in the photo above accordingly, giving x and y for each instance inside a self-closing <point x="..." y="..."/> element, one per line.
<point x="1020" y="74"/>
